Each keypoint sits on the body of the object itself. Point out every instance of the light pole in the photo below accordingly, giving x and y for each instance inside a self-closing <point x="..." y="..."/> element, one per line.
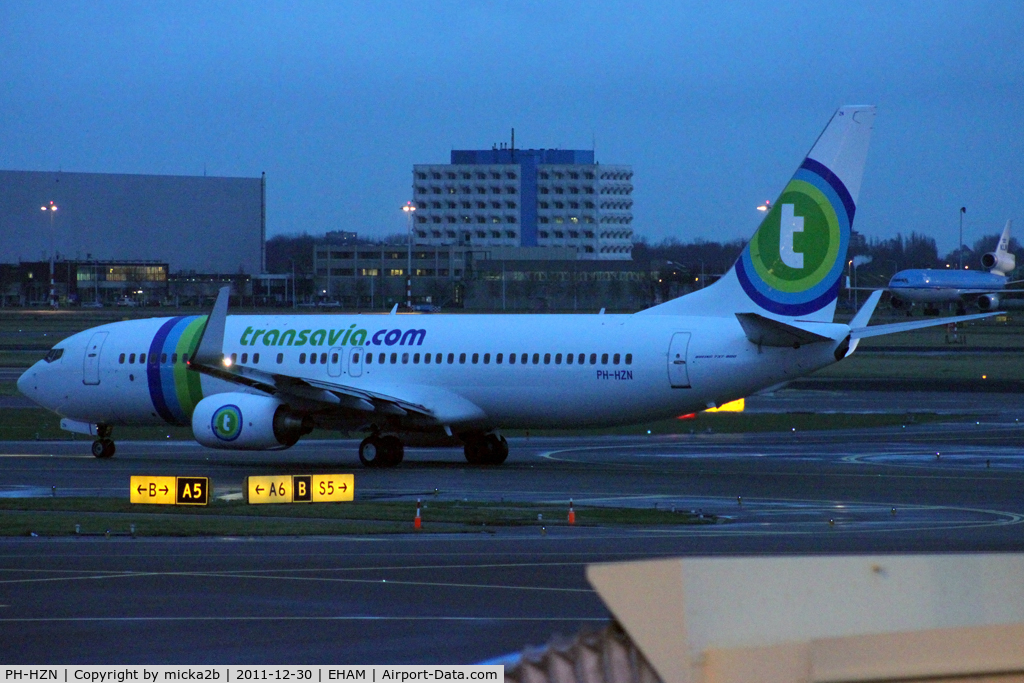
<point x="963" y="210"/>
<point x="52" y="209"/>
<point x="409" y="209"/>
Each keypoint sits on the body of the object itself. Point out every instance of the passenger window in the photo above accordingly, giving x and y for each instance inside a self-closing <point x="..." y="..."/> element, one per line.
<point x="234" y="358"/>
<point x="487" y="358"/>
<point x="142" y="358"/>
<point x="615" y="359"/>
<point x="451" y="358"/>
<point x="604" y="359"/>
<point x="355" y="357"/>
<point x="462" y="358"/>
<point x="582" y="359"/>
<point x="476" y="358"/>
<point x="280" y="358"/>
<point x="593" y="359"/>
<point x="394" y="358"/>
<point x="369" y="358"/>
<point x="312" y="359"/>
<point x="405" y="358"/>
<point x="255" y="359"/>
<point x="558" y="359"/>
<point x="323" y="358"/>
<point x="416" y="359"/>
<point x="334" y="358"/>
<point x="163" y="357"/>
<point x="131" y="358"/>
<point x="511" y="359"/>
<point x="184" y="358"/>
<point x="437" y="359"/>
<point x="302" y="358"/>
<point x="522" y="360"/>
<point x="536" y="358"/>
<point x="568" y="359"/>
<point x="547" y="359"/>
<point x="426" y="358"/>
<point x="245" y="358"/>
<point x="498" y="359"/>
<point x="382" y="358"/>
<point x="120" y="359"/>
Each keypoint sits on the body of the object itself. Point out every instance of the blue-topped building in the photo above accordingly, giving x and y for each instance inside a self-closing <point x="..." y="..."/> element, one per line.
<point x="539" y="198"/>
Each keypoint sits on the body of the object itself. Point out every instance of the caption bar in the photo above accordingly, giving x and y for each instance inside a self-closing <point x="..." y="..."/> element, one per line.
<point x="234" y="674"/>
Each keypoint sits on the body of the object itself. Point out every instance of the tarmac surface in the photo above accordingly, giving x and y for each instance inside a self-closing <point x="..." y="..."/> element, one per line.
<point x="472" y="597"/>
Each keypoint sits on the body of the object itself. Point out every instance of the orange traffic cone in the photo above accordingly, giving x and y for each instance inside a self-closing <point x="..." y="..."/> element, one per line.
<point x="572" y="513"/>
<point x="417" y="522"/>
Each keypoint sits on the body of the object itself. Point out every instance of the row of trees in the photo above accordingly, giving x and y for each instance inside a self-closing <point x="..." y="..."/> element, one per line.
<point x="877" y="258"/>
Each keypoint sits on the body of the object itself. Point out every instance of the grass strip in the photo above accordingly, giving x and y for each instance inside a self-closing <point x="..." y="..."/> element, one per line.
<point x="58" y="517"/>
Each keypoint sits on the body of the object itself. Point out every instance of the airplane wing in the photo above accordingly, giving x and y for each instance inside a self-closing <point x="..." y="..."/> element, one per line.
<point x="422" y="403"/>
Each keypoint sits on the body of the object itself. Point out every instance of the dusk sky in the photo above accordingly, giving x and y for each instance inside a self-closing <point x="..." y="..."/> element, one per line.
<point x="714" y="104"/>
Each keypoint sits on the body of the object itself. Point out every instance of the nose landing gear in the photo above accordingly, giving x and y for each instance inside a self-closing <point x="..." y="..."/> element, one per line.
<point x="103" y="447"/>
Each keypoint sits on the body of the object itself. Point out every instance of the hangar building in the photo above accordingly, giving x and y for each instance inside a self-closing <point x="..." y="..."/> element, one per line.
<point x="192" y="223"/>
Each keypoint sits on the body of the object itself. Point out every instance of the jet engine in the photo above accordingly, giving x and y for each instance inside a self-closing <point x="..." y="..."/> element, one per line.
<point x="988" y="302"/>
<point x="897" y="303"/>
<point x="1002" y="262"/>
<point x="247" y="422"/>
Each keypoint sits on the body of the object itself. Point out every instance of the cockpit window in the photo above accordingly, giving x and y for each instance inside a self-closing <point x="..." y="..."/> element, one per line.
<point x="53" y="355"/>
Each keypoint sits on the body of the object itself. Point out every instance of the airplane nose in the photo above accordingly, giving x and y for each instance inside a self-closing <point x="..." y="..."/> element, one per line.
<point x="27" y="384"/>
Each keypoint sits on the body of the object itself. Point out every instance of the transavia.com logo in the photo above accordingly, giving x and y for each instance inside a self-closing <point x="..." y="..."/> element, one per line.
<point x="333" y="337"/>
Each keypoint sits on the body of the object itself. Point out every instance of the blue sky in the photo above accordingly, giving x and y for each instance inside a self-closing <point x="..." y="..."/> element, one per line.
<point x="714" y="104"/>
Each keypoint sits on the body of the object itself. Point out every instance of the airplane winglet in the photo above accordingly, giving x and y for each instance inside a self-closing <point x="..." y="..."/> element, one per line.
<point x="863" y="316"/>
<point x="211" y="344"/>
<point x="394" y="311"/>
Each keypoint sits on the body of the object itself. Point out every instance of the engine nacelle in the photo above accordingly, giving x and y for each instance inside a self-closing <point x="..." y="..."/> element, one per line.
<point x="246" y="422"/>
<point x="988" y="302"/>
<point x="1001" y="262"/>
<point x="898" y="303"/>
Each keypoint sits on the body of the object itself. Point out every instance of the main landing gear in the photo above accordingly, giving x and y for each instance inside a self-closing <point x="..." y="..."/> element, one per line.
<point x="103" y="447"/>
<point x="485" y="449"/>
<point x="381" y="451"/>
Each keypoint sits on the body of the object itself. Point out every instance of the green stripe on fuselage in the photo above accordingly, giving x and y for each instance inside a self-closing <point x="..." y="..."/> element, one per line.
<point x="187" y="383"/>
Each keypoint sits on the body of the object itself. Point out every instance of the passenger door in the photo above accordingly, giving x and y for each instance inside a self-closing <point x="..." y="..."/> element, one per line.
<point x="355" y="361"/>
<point x="678" y="375"/>
<point x="91" y="369"/>
<point x="335" y="361"/>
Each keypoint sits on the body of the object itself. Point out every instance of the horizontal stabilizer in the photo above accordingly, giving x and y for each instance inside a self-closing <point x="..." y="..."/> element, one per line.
<point x="769" y="332"/>
<point x="878" y="330"/>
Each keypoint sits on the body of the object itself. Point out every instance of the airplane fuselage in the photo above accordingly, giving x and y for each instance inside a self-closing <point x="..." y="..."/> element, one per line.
<point x="482" y="371"/>
<point x="943" y="286"/>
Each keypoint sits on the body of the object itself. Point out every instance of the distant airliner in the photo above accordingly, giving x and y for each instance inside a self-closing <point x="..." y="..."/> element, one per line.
<point x="986" y="290"/>
<point x="260" y="382"/>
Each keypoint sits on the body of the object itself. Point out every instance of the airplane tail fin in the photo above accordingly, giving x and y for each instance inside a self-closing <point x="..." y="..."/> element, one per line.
<point x="1001" y="261"/>
<point x="792" y="267"/>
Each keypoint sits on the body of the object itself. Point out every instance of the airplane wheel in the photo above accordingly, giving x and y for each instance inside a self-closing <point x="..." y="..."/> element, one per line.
<point x="370" y="451"/>
<point x="392" y="449"/>
<point x="489" y="449"/>
<point x="495" y="449"/>
<point x="103" y="448"/>
<point x="472" y="448"/>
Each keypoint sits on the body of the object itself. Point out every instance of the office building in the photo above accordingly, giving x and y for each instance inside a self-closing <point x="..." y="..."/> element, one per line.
<point x="529" y="198"/>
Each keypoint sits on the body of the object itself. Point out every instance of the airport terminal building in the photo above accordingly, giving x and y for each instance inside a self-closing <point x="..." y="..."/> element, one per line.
<point x="191" y="223"/>
<point x="534" y="198"/>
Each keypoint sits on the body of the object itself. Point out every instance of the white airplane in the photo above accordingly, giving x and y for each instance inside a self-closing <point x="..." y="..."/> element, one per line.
<point x="261" y="382"/>
<point x="986" y="290"/>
